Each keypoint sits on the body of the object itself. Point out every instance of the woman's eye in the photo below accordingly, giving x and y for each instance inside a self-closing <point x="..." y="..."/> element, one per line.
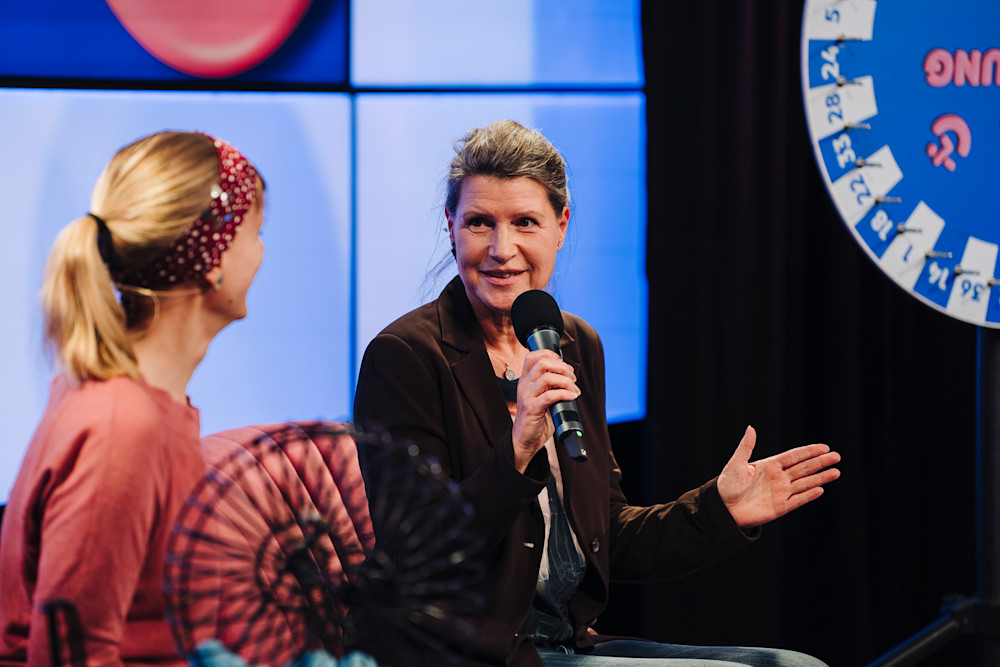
<point x="476" y="222"/>
<point x="525" y="222"/>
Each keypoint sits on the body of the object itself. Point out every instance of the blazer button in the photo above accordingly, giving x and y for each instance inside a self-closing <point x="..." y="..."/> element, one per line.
<point x="595" y="546"/>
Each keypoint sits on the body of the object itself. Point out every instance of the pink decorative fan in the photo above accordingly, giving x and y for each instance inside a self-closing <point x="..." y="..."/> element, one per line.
<point x="274" y="555"/>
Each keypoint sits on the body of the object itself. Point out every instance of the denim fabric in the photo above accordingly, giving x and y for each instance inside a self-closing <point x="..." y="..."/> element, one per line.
<point x="619" y="653"/>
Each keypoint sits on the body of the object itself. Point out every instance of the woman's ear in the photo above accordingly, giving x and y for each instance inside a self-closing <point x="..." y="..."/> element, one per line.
<point x="451" y="231"/>
<point x="563" y="224"/>
<point x="213" y="277"/>
<point x="450" y="227"/>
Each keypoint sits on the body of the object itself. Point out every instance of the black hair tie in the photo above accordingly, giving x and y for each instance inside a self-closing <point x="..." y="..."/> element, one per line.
<point x="105" y="245"/>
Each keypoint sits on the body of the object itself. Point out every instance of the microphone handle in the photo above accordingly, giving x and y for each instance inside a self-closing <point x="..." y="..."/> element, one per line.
<point x="565" y="416"/>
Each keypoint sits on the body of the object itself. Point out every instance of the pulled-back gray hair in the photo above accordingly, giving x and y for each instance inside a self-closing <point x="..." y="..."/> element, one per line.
<point x="506" y="149"/>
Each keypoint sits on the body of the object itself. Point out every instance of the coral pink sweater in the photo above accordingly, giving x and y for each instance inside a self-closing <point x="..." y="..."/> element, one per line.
<point x="88" y="520"/>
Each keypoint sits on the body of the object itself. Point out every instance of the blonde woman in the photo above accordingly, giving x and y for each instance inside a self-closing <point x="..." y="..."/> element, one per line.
<point x="133" y="293"/>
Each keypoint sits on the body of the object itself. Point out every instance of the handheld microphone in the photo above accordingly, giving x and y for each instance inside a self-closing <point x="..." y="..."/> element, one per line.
<point x="539" y="325"/>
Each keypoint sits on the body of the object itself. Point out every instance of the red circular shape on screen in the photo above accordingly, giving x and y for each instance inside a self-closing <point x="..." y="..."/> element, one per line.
<point x="210" y="38"/>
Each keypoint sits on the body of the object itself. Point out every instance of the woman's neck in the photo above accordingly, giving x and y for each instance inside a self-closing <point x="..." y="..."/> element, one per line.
<point x="169" y="350"/>
<point x="505" y="351"/>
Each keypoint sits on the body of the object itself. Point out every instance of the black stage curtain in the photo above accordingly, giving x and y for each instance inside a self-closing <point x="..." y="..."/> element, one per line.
<point x="763" y="310"/>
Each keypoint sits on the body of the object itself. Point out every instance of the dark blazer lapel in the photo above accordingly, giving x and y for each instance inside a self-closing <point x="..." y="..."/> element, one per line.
<point x="571" y="355"/>
<point x="470" y="363"/>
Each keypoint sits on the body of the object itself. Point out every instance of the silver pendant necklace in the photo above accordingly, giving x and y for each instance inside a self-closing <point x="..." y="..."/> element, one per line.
<point x="508" y="374"/>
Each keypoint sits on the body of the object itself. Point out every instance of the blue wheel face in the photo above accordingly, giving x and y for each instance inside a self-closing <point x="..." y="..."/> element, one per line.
<point x="902" y="100"/>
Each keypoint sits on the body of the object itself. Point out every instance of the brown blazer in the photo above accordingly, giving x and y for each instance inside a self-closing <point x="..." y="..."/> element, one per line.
<point x="427" y="377"/>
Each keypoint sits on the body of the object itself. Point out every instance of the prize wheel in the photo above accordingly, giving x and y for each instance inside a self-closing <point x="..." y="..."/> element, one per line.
<point x="902" y="100"/>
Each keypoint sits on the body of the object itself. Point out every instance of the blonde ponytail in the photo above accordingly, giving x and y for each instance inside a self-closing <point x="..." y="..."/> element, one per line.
<point x="84" y="322"/>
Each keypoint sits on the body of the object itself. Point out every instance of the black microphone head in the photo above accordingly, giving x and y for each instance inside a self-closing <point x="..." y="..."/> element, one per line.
<point x="535" y="310"/>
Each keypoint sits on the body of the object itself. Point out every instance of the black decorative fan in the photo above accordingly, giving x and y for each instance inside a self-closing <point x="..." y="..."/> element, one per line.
<point x="274" y="557"/>
<point x="66" y="643"/>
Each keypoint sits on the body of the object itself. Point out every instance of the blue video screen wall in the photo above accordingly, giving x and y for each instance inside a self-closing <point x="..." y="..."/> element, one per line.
<point x="355" y="172"/>
<point x="599" y="275"/>
<point x="290" y="42"/>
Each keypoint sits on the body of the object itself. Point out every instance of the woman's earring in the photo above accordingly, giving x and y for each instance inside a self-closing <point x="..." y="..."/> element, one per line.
<point x="217" y="285"/>
<point x="453" y="251"/>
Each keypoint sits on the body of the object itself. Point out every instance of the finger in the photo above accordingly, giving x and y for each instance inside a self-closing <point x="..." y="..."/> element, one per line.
<point x="807" y="484"/>
<point x="745" y="448"/>
<point x="536" y="369"/>
<point x="546" y="361"/>
<point x="551" y="396"/>
<point x="800" y="499"/>
<point x="538" y="356"/>
<point x="549" y="381"/>
<point x="797" y="455"/>
<point x="548" y="374"/>
<point x="812" y="465"/>
<point x="536" y="397"/>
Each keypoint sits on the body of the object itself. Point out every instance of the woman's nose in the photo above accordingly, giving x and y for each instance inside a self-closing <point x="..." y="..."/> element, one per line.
<point x="502" y="246"/>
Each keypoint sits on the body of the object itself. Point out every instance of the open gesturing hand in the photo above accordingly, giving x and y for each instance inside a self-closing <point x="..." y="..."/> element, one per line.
<point x="759" y="492"/>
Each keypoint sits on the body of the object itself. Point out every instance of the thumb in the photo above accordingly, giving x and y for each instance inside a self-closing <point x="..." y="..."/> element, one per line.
<point x="745" y="448"/>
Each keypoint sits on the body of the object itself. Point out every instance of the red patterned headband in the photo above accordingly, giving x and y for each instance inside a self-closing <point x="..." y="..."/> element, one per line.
<point x="200" y="248"/>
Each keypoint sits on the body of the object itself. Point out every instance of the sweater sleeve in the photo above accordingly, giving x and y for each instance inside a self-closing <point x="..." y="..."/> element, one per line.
<point x="95" y="530"/>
